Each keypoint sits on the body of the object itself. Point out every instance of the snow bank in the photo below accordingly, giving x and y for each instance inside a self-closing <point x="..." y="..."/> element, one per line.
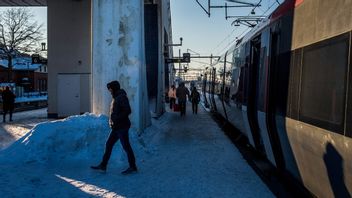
<point x="74" y="138"/>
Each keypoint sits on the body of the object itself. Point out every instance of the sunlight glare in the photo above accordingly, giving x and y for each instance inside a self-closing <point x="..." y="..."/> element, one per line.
<point x="89" y="188"/>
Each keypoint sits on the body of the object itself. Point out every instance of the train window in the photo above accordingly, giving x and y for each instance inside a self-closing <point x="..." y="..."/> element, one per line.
<point x="323" y="85"/>
<point x="262" y="78"/>
<point x="234" y="73"/>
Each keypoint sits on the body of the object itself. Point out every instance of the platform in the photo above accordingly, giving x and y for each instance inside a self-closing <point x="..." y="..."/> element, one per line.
<point x="186" y="156"/>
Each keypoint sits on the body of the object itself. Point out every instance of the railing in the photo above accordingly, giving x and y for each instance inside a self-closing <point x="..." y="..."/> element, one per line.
<point x="28" y="103"/>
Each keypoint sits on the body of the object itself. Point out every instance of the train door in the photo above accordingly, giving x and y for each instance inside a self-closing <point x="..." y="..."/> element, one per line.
<point x="212" y="88"/>
<point x="208" y="87"/>
<point x="205" y="81"/>
<point x="223" y="87"/>
<point x="252" y="108"/>
<point x="272" y="99"/>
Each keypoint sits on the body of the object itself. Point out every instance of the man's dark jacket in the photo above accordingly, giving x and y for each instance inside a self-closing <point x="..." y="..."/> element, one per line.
<point x="119" y="111"/>
<point x="182" y="93"/>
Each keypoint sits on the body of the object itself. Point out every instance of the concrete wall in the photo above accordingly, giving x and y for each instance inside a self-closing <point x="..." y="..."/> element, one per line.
<point x="167" y="26"/>
<point x="316" y="20"/>
<point x="164" y="26"/>
<point x="158" y="26"/>
<point x="118" y="54"/>
<point x="160" y="107"/>
<point x="69" y="48"/>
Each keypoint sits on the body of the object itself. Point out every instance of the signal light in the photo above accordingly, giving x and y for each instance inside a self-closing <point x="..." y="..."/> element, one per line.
<point x="186" y="58"/>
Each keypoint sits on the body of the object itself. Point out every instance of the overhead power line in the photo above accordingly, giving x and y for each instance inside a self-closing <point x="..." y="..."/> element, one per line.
<point x="242" y="33"/>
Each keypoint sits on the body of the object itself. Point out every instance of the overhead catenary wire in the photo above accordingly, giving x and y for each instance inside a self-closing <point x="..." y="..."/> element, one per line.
<point x="242" y="33"/>
<point x="200" y="62"/>
<point x="229" y="35"/>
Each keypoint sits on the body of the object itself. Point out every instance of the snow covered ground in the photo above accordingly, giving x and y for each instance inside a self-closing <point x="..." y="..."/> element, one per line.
<point x="22" y="123"/>
<point x="177" y="157"/>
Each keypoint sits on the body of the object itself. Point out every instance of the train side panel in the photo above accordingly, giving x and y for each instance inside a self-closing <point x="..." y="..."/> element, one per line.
<point x="318" y="114"/>
<point x="319" y="104"/>
<point x="322" y="158"/>
<point x="317" y="20"/>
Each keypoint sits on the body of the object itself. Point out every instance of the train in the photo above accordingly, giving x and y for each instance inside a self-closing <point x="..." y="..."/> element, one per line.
<point x="286" y="86"/>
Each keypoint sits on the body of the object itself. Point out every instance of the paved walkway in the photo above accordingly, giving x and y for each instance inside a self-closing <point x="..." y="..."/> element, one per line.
<point x="202" y="159"/>
<point x="22" y="123"/>
<point x="177" y="157"/>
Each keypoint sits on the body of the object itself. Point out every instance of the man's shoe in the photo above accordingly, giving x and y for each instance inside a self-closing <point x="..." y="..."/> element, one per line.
<point x="129" y="170"/>
<point x="99" y="167"/>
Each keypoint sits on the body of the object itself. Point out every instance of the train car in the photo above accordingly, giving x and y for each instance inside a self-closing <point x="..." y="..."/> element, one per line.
<point x="286" y="85"/>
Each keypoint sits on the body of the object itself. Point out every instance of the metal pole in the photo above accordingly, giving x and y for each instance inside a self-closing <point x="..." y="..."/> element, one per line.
<point x="179" y="63"/>
<point x="211" y="59"/>
<point x="28" y="82"/>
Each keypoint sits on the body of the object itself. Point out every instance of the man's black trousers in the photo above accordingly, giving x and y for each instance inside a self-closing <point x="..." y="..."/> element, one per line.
<point x="114" y="136"/>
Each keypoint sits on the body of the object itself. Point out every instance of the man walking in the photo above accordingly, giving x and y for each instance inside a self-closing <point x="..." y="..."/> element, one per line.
<point x="182" y="93"/>
<point x="195" y="98"/>
<point x="8" y="102"/>
<point x="120" y="124"/>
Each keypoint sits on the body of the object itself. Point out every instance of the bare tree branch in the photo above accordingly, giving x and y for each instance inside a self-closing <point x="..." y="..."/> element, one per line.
<point x="19" y="31"/>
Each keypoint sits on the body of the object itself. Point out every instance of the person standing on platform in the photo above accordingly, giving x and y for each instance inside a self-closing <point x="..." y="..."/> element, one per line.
<point x="8" y="102"/>
<point x="195" y="98"/>
<point x="120" y="124"/>
<point x="172" y="96"/>
<point x="182" y="93"/>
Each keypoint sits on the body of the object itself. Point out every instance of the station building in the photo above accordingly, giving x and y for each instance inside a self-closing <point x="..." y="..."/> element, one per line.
<point x="92" y="42"/>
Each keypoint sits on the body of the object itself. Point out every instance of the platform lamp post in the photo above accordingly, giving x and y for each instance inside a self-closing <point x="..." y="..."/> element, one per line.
<point x="28" y="81"/>
<point x="179" y="64"/>
<point x="179" y="53"/>
<point x="205" y="88"/>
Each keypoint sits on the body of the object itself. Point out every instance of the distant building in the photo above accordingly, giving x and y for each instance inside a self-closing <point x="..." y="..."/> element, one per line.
<point x="27" y="76"/>
<point x="3" y="73"/>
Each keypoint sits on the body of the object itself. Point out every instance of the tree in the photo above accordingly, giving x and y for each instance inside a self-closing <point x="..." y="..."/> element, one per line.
<point x="19" y="33"/>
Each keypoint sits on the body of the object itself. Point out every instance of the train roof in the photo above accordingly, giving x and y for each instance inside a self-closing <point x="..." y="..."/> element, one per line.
<point x="277" y="13"/>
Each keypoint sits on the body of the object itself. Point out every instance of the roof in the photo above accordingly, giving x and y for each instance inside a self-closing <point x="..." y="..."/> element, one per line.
<point x="21" y="63"/>
<point x="23" y="3"/>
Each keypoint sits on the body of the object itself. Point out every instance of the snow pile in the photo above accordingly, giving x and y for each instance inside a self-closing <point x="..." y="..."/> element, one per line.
<point x="74" y="138"/>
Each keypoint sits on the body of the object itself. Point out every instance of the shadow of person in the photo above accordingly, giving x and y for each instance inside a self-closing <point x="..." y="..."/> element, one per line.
<point x="334" y="166"/>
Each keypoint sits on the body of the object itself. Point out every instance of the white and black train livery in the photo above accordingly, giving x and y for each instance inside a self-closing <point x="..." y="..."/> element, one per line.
<point x="287" y="86"/>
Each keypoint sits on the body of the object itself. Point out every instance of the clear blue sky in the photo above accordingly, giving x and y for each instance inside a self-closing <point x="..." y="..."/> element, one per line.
<point x="208" y="35"/>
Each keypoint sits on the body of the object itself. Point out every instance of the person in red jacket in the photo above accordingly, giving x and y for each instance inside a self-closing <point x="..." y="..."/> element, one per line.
<point x="172" y="96"/>
<point x="8" y="102"/>
<point x="119" y="124"/>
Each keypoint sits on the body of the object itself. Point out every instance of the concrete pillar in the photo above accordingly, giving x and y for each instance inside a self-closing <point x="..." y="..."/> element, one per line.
<point x="118" y="54"/>
<point x="160" y="104"/>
